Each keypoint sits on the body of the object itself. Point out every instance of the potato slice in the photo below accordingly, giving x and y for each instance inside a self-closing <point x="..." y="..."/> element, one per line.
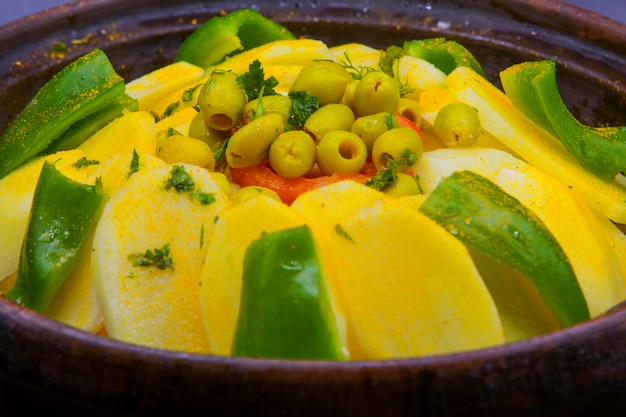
<point x="76" y="304"/>
<point x="132" y="131"/>
<point x="148" y="305"/>
<point x="409" y="287"/>
<point x="220" y="288"/>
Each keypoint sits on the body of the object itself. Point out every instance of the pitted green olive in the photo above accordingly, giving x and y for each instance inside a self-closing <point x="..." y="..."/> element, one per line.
<point x="221" y="101"/>
<point x="330" y="117"/>
<point x="411" y="110"/>
<point x="327" y="80"/>
<point x="214" y="138"/>
<point x="457" y="125"/>
<point x="292" y="154"/>
<point x="377" y="92"/>
<point x="269" y="104"/>
<point x="369" y="128"/>
<point x="405" y="185"/>
<point x="250" y="145"/>
<point x="341" y="152"/>
<point x="392" y="144"/>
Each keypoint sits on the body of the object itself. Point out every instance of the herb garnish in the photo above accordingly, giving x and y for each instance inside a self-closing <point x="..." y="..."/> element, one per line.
<point x="302" y="106"/>
<point x="182" y="182"/>
<point x="390" y="175"/>
<point x="159" y="257"/>
<point x="84" y="162"/>
<point x="254" y="82"/>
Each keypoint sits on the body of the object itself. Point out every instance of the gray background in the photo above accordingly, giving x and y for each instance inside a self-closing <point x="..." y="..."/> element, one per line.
<point x="14" y="9"/>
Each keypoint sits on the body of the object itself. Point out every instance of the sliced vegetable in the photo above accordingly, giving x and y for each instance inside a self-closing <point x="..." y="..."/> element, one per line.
<point x="83" y="87"/>
<point x="444" y="53"/>
<point x="285" y="301"/>
<point x="288" y="189"/>
<point x="82" y="130"/>
<point x="482" y="215"/>
<point x="500" y="118"/>
<point x="64" y="214"/>
<point x="221" y="36"/>
<point x="533" y="89"/>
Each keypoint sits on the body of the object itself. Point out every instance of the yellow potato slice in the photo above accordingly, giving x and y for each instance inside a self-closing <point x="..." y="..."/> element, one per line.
<point x="499" y="117"/>
<point x="132" y="131"/>
<point x="150" y="87"/>
<point x="220" y="288"/>
<point x="332" y="203"/>
<point x="568" y="217"/>
<point x="76" y="304"/>
<point x="409" y="287"/>
<point x="16" y="194"/>
<point x="145" y="304"/>
<point x="419" y="74"/>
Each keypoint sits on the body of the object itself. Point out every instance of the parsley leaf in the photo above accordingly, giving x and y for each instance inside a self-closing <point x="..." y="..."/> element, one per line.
<point x="134" y="164"/>
<point x="302" y="106"/>
<point x="254" y="82"/>
<point x="159" y="257"/>
<point x="390" y="175"/>
<point x="84" y="162"/>
<point x="180" y="180"/>
<point x="389" y="56"/>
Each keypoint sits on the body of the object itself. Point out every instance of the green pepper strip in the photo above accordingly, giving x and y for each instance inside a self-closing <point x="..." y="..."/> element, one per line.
<point x="285" y="309"/>
<point x="443" y="53"/>
<point x="482" y="215"/>
<point x="533" y="89"/>
<point x="83" y="129"/>
<point x="63" y="216"/>
<point x="82" y="87"/>
<point x="221" y="36"/>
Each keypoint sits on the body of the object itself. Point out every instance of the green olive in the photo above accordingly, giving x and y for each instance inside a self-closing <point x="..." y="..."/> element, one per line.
<point x="327" y="80"/>
<point x="369" y="128"/>
<point x="341" y="152"/>
<point x="292" y="154"/>
<point x="250" y="145"/>
<point x="405" y="185"/>
<point x="348" y="95"/>
<point x="327" y="118"/>
<point x="221" y="101"/>
<point x="214" y="138"/>
<point x="269" y="104"/>
<point x="411" y="110"/>
<point x="393" y="145"/>
<point x="457" y="125"/>
<point x="377" y="92"/>
<point x="248" y="193"/>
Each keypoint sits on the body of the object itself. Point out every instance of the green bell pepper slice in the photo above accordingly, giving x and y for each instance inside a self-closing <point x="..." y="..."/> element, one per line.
<point x="445" y="54"/>
<point x="222" y="36"/>
<point x="63" y="216"/>
<point x="81" y="88"/>
<point x="533" y="89"/>
<point x="83" y="129"/>
<point x="482" y="215"/>
<point x="285" y="310"/>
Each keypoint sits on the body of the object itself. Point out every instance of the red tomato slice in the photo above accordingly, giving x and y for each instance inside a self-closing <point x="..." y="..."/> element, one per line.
<point x="289" y="189"/>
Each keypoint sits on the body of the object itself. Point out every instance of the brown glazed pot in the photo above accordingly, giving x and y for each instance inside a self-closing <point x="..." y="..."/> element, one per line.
<point x="50" y="366"/>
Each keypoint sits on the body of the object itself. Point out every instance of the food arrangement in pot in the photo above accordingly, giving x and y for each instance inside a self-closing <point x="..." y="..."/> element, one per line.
<point x="273" y="196"/>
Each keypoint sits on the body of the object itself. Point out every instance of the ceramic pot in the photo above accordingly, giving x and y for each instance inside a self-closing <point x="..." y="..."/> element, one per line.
<point x="50" y="366"/>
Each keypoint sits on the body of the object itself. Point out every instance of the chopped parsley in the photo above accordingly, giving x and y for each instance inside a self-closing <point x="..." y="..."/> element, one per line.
<point x="302" y="106"/>
<point x="159" y="257"/>
<point x="342" y="232"/>
<point x="390" y="175"/>
<point x="181" y="181"/>
<point x="84" y="162"/>
<point x="389" y="56"/>
<point x="254" y="82"/>
<point x="134" y="164"/>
